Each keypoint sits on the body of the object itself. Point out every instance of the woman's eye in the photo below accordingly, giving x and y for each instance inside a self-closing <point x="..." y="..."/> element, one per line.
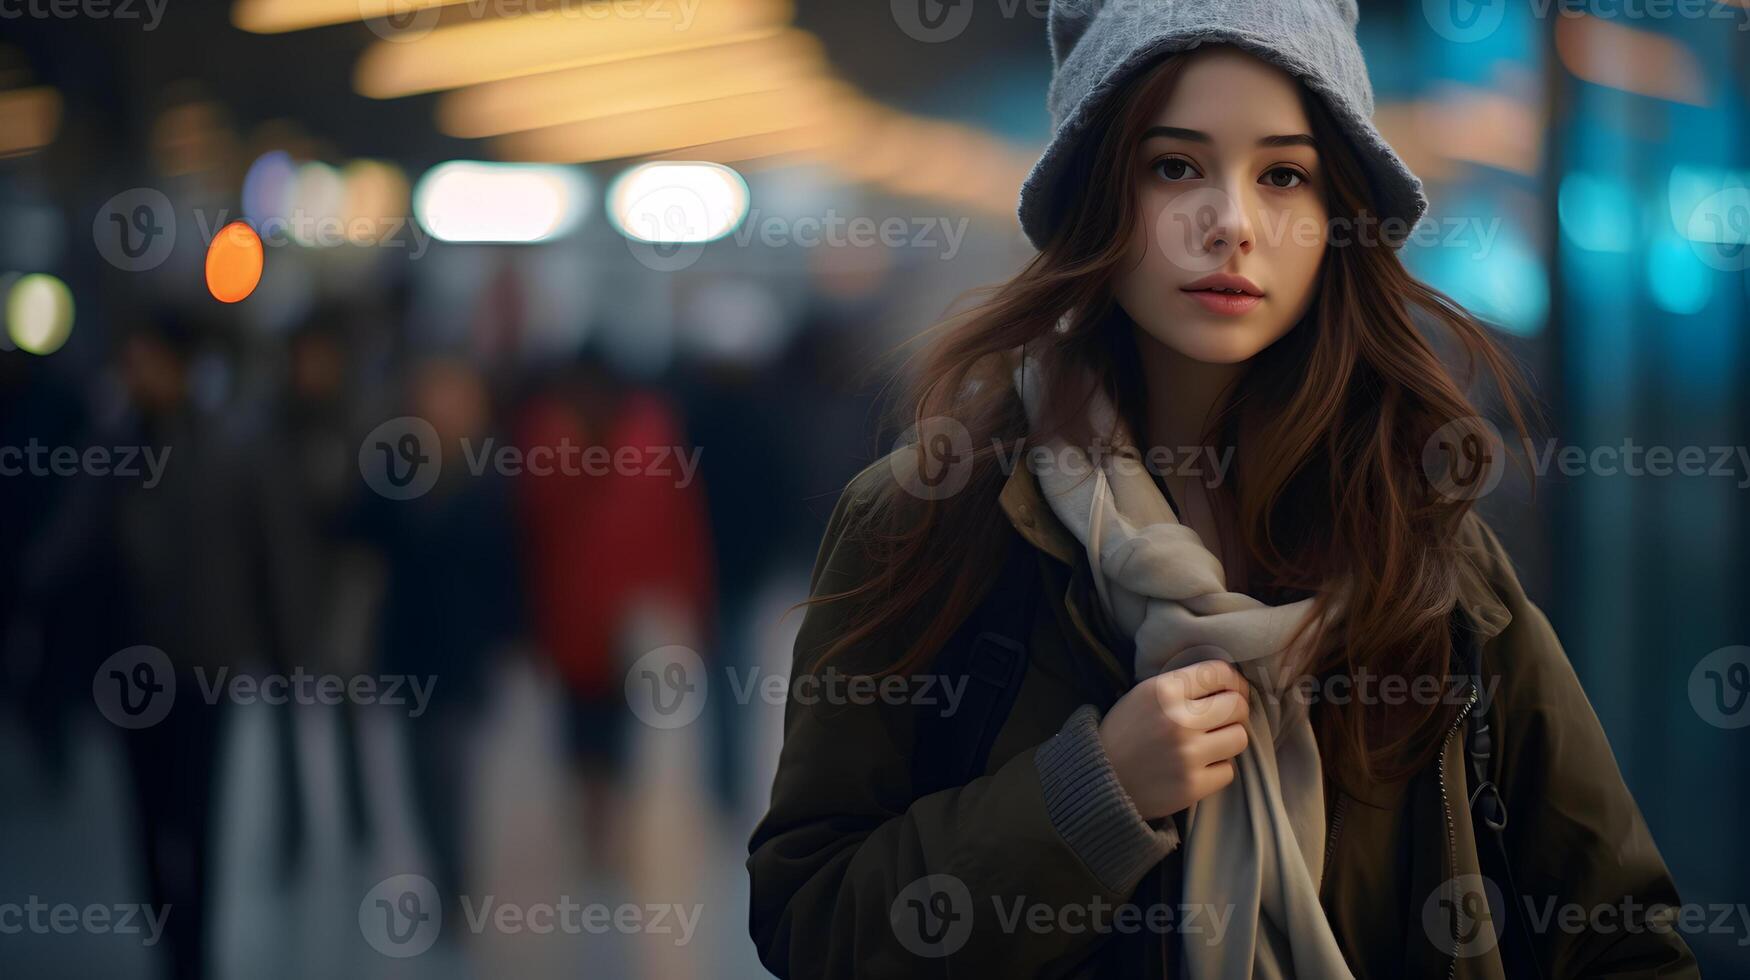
<point x="1173" y="168"/>
<point x="1284" y="178"/>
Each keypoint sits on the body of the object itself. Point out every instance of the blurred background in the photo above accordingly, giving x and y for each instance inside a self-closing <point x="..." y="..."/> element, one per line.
<point x="389" y="389"/>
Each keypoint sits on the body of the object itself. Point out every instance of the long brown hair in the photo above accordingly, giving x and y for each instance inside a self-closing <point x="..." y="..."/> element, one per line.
<point x="1327" y="424"/>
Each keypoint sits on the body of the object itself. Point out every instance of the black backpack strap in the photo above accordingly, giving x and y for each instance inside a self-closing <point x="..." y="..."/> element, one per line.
<point x="988" y="655"/>
<point x="1489" y="812"/>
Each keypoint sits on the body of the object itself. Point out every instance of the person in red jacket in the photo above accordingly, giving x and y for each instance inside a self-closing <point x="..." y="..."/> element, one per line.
<point x="614" y="523"/>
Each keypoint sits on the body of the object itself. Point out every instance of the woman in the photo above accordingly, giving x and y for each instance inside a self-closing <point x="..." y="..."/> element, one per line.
<point x="1194" y="763"/>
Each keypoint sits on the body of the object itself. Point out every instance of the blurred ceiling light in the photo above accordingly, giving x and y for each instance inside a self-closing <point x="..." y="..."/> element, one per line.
<point x="633" y="85"/>
<point x="672" y="127"/>
<point x="234" y="262"/>
<point x="1677" y="280"/>
<point x="1597" y="212"/>
<point x="916" y="157"/>
<point x="882" y="150"/>
<point x="677" y="202"/>
<point x="1710" y="205"/>
<point x="375" y="200"/>
<point x="1629" y="59"/>
<point x="29" y="119"/>
<point x="472" y="201"/>
<point x="39" y="313"/>
<point x="318" y="196"/>
<point x="509" y="47"/>
<point x="806" y="143"/>
<point x="279" y="16"/>
<point x="268" y="187"/>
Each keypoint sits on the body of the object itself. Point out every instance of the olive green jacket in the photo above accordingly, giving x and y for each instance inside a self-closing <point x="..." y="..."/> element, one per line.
<point x="1041" y="866"/>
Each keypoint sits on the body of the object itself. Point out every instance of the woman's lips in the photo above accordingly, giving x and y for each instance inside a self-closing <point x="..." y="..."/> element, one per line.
<point x="1224" y="304"/>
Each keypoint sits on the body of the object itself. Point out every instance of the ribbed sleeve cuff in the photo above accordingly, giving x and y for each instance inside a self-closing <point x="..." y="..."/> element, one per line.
<point x="1090" y="809"/>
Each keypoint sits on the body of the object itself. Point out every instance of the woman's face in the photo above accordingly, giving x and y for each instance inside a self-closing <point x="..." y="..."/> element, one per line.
<point x="1229" y="195"/>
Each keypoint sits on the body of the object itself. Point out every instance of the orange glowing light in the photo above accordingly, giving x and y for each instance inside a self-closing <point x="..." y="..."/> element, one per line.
<point x="234" y="261"/>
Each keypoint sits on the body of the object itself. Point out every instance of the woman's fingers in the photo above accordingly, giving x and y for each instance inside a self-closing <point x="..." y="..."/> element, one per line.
<point x="1218" y="710"/>
<point x="1200" y="680"/>
<point x="1215" y="777"/>
<point x="1221" y="744"/>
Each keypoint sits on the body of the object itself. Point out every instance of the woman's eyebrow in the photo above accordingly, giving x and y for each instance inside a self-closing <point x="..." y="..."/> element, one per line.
<point x="1198" y="136"/>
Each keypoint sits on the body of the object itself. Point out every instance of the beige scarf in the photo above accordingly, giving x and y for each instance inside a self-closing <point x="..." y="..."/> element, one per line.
<point x="1254" y="850"/>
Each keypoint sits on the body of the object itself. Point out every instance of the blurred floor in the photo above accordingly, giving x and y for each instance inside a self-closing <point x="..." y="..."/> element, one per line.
<point x="74" y="847"/>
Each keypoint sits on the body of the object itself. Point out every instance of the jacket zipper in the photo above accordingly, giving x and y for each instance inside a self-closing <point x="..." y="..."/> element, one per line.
<point x="1331" y="839"/>
<point x="1446" y="811"/>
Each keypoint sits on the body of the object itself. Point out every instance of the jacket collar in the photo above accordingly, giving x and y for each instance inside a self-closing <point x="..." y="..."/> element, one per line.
<point x="1035" y="521"/>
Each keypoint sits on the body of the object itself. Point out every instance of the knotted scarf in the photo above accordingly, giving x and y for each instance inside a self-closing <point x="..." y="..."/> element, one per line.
<point x="1254" y="850"/>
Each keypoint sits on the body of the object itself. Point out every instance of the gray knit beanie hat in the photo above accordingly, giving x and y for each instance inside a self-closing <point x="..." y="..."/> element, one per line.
<point x="1099" y="45"/>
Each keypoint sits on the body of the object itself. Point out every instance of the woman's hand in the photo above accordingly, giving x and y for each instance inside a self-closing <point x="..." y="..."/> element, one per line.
<point x="1172" y="736"/>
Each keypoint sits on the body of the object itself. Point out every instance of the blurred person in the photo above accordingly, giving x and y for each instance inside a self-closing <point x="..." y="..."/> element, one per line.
<point x="205" y="561"/>
<point x="49" y="644"/>
<point x="1136" y="634"/>
<point x="451" y="599"/>
<point x="316" y="434"/>
<point x="613" y="527"/>
<point x="744" y="418"/>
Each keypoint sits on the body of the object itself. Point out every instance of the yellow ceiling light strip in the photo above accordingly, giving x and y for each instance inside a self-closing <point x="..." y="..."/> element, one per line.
<point x="675" y="126"/>
<point x="1629" y="59"/>
<point x="817" y="142"/>
<point x="490" y="50"/>
<point x="635" y="85"/>
<point x="804" y="142"/>
<point x="280" y="16"/>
